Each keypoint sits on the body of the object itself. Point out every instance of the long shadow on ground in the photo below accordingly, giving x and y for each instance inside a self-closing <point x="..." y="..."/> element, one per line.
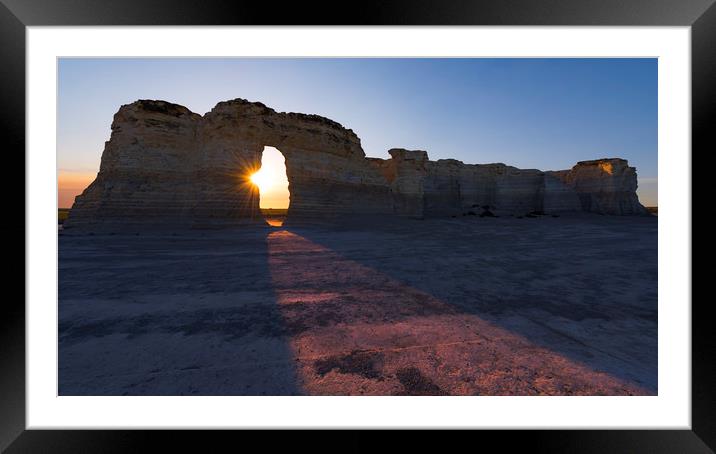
<point x="502" y="306"/>
<point x="186" y="314"/>
<point x="547" y="306"/>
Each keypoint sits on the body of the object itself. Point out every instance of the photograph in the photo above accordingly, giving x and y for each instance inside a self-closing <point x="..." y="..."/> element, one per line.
<point x="282" y="226"/>
<point x="388" y="226"/>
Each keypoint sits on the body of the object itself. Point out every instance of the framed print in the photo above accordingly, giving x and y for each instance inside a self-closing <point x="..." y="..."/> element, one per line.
<point x="472" y="216"/>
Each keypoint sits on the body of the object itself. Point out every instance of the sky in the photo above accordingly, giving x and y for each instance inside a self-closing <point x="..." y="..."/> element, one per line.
<point x="272" y="180"/>
<point x="530" y="113"/>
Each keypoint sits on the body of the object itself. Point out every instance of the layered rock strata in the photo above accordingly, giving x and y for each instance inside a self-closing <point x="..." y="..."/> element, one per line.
<point x="606" y="186"/>
<point x="166" y="165"/>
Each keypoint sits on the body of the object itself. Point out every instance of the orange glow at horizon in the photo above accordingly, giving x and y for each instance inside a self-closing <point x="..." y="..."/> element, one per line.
<point x="71" y="184"/>
<point x="271" y="180"/>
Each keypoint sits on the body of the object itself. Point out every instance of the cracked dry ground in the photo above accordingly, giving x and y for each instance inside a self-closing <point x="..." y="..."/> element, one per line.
<point x="399" y="312"/>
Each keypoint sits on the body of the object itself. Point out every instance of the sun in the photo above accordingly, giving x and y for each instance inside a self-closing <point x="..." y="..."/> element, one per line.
<point x="262" y="179"/>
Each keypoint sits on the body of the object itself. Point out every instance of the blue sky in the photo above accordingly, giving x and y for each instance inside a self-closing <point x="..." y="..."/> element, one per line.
<point x="530" y="113"/>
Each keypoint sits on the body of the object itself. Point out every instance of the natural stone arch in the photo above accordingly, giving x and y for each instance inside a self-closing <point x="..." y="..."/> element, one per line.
<point x="272" y="181"/>
<point x="167" y="166"/>
<point x="326" y="167"/>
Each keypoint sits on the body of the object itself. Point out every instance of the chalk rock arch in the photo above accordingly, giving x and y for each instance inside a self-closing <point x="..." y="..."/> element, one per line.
<point x="167" y="166"/>
<point x="164" y="163"/>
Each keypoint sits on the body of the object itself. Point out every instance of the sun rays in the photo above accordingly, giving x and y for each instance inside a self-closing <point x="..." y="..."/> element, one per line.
<point x="271" y="180"/>
<point x="262" y="179"/>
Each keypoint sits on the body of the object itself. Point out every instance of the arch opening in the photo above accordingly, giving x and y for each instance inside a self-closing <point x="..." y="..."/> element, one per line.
<point x="271" y="181"/>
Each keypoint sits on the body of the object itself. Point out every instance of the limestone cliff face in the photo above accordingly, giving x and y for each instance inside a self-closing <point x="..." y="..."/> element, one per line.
<point x="606" y="186"/>
<point x="424" y="188"/>
<point x="558" y="196"/>
<point x="411" y="171"/>
<point x="326" y="167"/>
<point x="165" y="165"/>
<point x="146" y="172"/>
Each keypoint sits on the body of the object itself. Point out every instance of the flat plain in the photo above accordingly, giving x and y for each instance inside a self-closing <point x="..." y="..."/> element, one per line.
<point x="466" y="306"/>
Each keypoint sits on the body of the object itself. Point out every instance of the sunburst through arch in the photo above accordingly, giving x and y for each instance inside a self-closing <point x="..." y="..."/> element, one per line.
<point x="271" y="183"/>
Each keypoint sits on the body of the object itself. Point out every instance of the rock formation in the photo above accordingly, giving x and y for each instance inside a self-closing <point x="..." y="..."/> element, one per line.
<point x="165" y="164"/>
<point x="606" y="186"/>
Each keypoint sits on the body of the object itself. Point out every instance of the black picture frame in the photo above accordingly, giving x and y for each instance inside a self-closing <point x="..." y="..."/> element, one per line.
<point x="700" y="15"/>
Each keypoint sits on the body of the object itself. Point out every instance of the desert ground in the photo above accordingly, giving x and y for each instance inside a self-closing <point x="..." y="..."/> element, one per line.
<point x="466" y="306"/>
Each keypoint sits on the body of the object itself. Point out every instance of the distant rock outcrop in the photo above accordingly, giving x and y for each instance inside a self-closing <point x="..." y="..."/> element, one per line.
<point x="166" y="164"/>
<point x="606" y="186"/>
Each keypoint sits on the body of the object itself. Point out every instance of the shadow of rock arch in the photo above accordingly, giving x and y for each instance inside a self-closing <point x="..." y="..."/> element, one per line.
<point x="554" y="297"/>
<point x="159" y="314"/>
